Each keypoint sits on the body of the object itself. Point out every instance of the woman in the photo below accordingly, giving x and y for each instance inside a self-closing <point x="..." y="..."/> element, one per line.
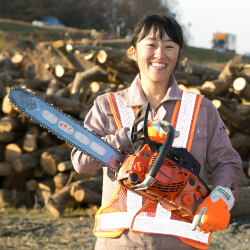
<point x="126" y="221"/>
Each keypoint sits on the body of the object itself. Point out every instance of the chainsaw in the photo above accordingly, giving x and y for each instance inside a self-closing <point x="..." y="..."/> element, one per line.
<point x="155" y="171"/>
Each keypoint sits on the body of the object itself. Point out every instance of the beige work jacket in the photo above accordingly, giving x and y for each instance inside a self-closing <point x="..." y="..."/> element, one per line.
<point x="210" y="145"/>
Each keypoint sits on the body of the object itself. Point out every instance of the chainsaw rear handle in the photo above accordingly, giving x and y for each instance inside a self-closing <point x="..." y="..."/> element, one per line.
<point x="158" y="161"/>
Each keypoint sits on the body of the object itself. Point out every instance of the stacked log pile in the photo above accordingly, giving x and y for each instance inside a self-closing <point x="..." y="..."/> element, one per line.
<point x="35" y="166"/>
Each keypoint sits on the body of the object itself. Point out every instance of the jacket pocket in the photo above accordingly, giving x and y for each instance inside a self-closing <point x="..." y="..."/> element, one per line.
<point x="199" y="144"/>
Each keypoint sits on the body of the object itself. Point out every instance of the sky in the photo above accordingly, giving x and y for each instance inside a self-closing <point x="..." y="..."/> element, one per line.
<point x="203" y="18"/>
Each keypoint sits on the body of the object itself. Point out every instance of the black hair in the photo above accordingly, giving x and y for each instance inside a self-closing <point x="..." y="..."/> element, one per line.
<point x="161" y="22"/>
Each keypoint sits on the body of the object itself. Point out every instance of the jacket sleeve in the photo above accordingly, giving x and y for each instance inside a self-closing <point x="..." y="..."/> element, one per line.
<point x="223" y="159"/>
<point x="96" y="121"/>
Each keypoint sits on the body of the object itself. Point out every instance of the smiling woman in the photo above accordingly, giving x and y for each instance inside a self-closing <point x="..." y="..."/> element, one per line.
<point x="127" y="220"/>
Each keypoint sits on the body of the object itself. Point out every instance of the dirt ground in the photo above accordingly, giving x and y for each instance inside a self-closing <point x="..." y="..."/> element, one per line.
<point x="37" y="229"/>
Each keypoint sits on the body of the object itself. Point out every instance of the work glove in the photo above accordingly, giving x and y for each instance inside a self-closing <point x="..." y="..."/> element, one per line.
<point x="156" y="130"/>
<point x="213" y="213"/>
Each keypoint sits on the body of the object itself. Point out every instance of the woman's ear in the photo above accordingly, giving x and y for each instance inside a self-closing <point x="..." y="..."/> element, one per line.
<point x="134" y="53"/>
<point x="180" y="53"/>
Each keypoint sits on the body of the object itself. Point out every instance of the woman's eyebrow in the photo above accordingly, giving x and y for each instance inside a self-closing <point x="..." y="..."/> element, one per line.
<point x="154" y="39"/>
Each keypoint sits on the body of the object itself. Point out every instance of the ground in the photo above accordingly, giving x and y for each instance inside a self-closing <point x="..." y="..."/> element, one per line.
<point x="37" y="229"/>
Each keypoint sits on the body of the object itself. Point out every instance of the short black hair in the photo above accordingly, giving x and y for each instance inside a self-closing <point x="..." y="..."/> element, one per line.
<point x="161" y="22"/>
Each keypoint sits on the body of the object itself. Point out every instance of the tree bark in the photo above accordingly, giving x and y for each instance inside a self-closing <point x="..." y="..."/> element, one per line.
<point x="216" y="87"/>
<point x="198" y="70"/>
<point x="231" y="117"/>
<point x="240" y="140"/>
<point x="13" y="150"/>
<point x="70" y="58"/>
<point x="61" y="71"/>
<point x="53" y="156"/>
<point x="187" y="79"/>
<point x="30" y="138"/>
<point x="27" y="161"/>
<point x="242" y="87"/>
<point x="65" y="166"/>
<point x="9" y="123"/>
<point x="85" y="195"/>
<point x="241" y="207"/>
<point x="12" y="198"/>
<point x="62" y="199"/>
<point x="60" y="180"/>
<point x="82" y="80"/>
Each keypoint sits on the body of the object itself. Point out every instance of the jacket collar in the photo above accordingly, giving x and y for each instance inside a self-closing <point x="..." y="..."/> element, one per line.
<point x="136" y="96"/>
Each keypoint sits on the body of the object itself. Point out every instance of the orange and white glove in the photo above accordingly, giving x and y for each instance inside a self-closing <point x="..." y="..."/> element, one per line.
<point x="213" y="213"/>
<point x="156" y="131"/>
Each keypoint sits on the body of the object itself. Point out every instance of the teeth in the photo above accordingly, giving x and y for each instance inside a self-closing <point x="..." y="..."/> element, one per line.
<point x="159" y="65"/>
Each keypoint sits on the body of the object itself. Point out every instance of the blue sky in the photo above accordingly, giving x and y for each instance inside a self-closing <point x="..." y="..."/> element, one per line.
<point x="211" y="16"/>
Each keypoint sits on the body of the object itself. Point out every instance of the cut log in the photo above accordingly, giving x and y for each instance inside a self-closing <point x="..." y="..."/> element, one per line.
<point x="7" y="106"/>
<point x="70" y="58"/>
<point x="45" y="140"/>
<point x="12" y="198"/>
<point x="53" y="87"/>
<point x="53" y="156"/>
<point x="60" y="180"/>
<point x="38" y="172"/>
<point x="63" y="81"/>
<point x="12" y="182"/>
<point x="65" y="104"/>
<point x="2" y="90"/>
<point x="9" y="123"/>
<point x="242" y="87"/>
<point x="241" y="207"/>
<point x="198" y="70"/>
<point x="82" y="80"/>
<point x="18" y="61"/>
<point x="240" y="140"/>
<point x="33" y="84"/>
<point x="2" y="149"/>
<point x="27" y="161"/>
<point x="65" y="166"/>
<point x="190" y="89"/>
<point x="44" y="190"/>
<point x="114" y="60"/>
<point x="216" y="87"/>
<point x="6" y="168"/>
<point x="85" y="195"/>
<point x="31" y="185"/>
<point x="9" y="137"/>
<point x="226" y="73"/>
<point x="30" y="138"/>
<point x="187" y="79"/>
<point x="61" y="71"/>
<point x="13" y="150"/>
<point x="232" y="117"/>
<point x="62" y="199"/>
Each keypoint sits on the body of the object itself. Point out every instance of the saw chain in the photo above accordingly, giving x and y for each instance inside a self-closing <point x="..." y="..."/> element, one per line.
<point x="65" y="128"/>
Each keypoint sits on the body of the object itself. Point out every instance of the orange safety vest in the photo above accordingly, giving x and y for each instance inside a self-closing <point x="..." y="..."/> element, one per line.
<point x="128" y="210"/>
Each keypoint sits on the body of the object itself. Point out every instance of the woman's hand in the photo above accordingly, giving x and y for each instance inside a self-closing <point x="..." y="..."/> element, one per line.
<point x="213" y="213"/>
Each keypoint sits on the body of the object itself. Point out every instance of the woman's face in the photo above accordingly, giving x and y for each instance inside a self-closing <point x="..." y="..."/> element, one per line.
<point x="156" y="58"/>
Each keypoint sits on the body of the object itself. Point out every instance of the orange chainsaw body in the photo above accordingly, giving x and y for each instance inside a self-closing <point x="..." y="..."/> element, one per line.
<point x="174" y="187"/>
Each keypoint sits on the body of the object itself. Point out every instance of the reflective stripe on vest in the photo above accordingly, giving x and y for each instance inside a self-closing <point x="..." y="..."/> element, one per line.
<point x="111" y="222"/>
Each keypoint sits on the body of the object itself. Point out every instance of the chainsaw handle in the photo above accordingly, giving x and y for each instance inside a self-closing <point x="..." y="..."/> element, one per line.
<point x="158" y="161"/>
<point x="208" y="191"/>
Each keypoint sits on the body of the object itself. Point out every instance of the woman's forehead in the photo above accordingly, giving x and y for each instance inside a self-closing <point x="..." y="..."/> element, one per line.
<point x="155" y="35"/>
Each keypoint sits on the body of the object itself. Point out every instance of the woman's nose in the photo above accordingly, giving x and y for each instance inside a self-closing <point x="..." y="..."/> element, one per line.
<point x="159" y="53"/>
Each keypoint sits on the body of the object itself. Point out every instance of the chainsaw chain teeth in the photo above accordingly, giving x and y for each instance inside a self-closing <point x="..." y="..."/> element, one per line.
<point x="55" y="133"/>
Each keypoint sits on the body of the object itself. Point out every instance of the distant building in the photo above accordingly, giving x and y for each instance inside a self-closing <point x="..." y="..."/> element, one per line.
<point x="224" y="42"/>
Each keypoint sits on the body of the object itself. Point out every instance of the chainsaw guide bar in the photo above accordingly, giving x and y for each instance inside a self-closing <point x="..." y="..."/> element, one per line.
<point x="65" y="128"/>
